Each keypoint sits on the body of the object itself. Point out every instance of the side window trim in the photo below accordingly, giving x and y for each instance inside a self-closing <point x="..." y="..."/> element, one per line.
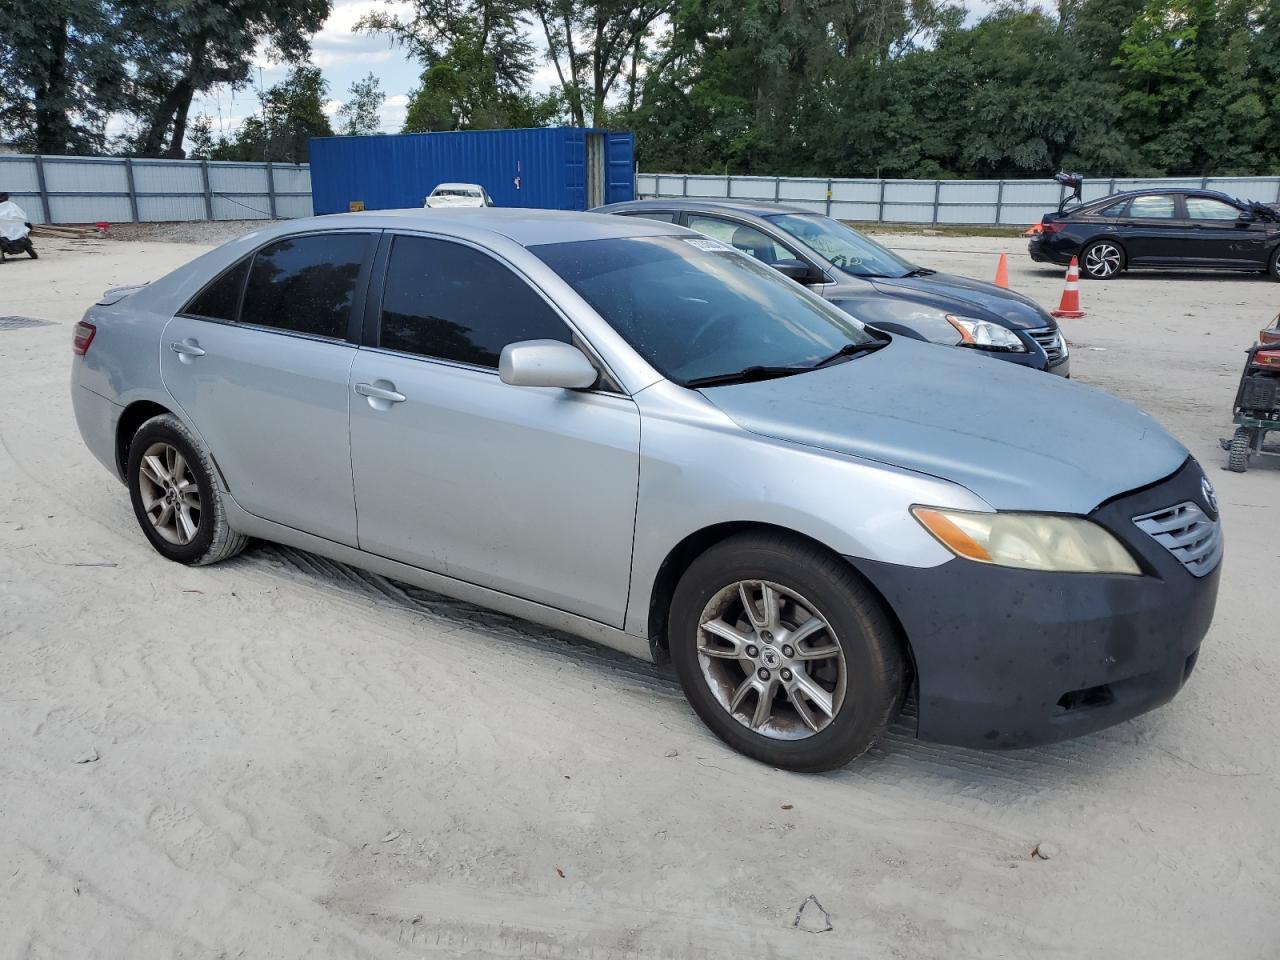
<point x="372" y="325"/>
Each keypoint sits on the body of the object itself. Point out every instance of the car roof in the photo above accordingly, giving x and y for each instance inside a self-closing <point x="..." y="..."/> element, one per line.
<point x="754" y="208"/>
<point x="527" y="227"/>
<point x="458" y="186"/>
<point x="1187" y="191"/>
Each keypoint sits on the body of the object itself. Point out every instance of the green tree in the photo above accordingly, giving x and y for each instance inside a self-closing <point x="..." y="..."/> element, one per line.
<point x="292" y="112"/>
<point x="362" y="111"/>
<point x="61" y="73"/>
<point x="184" y="47"/>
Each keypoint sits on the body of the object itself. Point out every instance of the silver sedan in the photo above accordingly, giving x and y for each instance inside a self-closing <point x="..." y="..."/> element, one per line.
<point x="639" y="435"/>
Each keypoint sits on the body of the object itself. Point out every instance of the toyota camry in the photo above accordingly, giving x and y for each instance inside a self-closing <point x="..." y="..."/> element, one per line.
<point x="636" y="433"/>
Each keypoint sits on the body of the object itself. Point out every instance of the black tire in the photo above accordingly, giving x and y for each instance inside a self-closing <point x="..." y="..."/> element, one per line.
<point x="874" y="658"/>
<point x="1239" y="449"/>
<point x="213" y="539"/>
<point x="1102" y="260"/>
<point x="1273" y="267"/>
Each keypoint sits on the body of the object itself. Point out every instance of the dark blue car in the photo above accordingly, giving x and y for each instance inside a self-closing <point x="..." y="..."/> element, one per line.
<point x="870" y="281"/>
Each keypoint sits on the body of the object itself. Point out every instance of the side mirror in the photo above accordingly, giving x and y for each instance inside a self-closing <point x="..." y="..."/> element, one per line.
<point x="796" y="270"/>
<point x="1246" y="217"/>
<point x="545" y="363"/>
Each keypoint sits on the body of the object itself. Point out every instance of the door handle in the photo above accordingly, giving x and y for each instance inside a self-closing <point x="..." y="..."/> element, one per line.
<point x="186" y="348"/>
<point x="375" y="392"/>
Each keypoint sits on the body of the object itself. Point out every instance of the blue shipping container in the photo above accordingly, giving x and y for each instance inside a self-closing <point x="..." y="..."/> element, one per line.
<point x="553" y="168"/>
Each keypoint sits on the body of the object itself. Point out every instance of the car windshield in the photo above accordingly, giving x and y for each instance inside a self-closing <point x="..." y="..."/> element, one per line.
<point x="843" y="246"/>
<point x="456" y="193"/>
<point x="696" y="309"/>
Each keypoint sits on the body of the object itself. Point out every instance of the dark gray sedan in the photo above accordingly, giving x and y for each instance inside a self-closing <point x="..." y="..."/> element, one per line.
<point x="870" y="281"/>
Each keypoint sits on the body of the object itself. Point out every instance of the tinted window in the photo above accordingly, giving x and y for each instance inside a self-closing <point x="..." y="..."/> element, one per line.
<point x="741" y="237"/>
<point x="660" y="215"/>
<point x="221" y="299"/>
<point x="693" y="308"/>
<point x="1159" y="205"/>
<point x="1206" y="208"/>
<point x="306" y="284"/>
<point x="452" y="302"/>
<point x="1115" y="210"/>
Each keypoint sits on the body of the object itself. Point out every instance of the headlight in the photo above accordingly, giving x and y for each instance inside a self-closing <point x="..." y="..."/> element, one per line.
<point x="984" y="335"/>
<point x="1028" y="541"/>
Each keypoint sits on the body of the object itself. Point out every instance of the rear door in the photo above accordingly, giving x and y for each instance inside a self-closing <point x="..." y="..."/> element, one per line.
<point x="1156" y="232"/>
<point x="1221" y="238"/>
<point x="526" y="490"/>
<point x="259" y="361"/>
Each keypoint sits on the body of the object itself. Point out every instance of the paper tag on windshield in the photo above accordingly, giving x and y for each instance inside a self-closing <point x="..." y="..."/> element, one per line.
<point x="711" y="246"/>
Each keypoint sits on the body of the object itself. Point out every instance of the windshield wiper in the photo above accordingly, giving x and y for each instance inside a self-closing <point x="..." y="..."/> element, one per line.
<point x="849" y="350"/>
<point x="746" y="375"/>
<point x="920" y="272"/>
<point x="758" y="372"/>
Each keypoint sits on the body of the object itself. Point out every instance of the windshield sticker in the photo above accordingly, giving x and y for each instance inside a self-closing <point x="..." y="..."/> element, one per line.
<point x="711" y="246"/>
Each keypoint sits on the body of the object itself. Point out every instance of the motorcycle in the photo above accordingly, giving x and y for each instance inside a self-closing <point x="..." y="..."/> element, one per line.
<point x="15" y="230"/>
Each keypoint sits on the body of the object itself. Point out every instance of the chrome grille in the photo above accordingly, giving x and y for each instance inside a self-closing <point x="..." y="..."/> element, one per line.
<point x="1052" y="341"/>
<point x="1186" y="532"/>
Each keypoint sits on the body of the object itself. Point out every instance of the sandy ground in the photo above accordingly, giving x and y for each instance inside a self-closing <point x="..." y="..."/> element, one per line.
<point x="297" y="759"/>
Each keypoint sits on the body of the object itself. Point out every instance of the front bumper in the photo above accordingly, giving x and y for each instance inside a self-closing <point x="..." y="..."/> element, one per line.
<point x="1013" y="658"/>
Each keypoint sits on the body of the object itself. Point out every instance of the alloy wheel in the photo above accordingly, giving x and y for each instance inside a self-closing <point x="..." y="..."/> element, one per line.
<point x="170" y="494"/>
<point x="771" y="660"/>
<point x="1102" y="260"/>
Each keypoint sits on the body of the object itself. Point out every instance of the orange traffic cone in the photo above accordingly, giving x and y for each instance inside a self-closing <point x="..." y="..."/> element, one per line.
<point x="1002" y="272"/>
<point x="1069" y="306"/>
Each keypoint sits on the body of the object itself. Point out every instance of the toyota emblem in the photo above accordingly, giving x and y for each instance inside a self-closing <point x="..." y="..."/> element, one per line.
<point x="1206" y="490"/>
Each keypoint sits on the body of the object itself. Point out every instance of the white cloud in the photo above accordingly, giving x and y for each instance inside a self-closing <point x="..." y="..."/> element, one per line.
<point x="392" y="115"/>
<point x="339" y="58"/>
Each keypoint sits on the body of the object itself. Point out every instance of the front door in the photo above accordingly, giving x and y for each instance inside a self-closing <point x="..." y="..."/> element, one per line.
<point x="263" y="376"/>
<point x="1221" y="238"/>
<point x="530" y="491"/>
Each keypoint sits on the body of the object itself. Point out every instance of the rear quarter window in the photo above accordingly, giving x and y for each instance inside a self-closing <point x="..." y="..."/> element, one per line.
<point x="220" y="299"/>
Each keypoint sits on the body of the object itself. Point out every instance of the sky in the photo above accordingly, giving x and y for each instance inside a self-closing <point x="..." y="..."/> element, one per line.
<point x="345" y="56"/>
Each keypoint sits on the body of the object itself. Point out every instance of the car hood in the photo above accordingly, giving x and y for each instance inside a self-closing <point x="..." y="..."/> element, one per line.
<point x="949" y="292"/>
<point x="1018" y="439"/>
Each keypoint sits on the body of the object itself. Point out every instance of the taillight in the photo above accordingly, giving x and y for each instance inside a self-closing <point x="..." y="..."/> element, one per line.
<point x="1051" y="227"/>
<point x="1267" y="358"/>
<point x="82" y="337"/>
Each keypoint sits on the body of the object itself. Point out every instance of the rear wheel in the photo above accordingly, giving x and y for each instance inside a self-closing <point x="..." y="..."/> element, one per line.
<point x="1273" y="267"/>
<point x="177" y="503"/>
<point x="784" y="652"/>
<point x="1101" y="260"/>
<point x="1238" y="450"/>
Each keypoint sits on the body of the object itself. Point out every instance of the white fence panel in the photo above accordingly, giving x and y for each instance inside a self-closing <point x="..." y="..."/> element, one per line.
<point x="292" y="179"/>
<point x="93" y="189"/>
<point x="974" y="202"/>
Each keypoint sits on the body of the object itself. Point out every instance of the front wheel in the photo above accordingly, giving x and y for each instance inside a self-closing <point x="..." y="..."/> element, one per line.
<point x="1273" y="267"/>
<point x="784" y="652"/>
<point x="1101" y="260"/>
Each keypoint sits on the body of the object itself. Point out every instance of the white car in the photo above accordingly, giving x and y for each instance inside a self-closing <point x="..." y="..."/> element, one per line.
<point x="458" y="195"/>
